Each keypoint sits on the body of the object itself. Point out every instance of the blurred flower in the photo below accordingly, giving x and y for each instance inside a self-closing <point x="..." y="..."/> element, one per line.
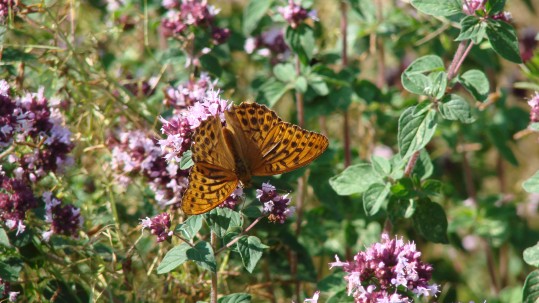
<point x="114" y="5"/>
<point x="471" y="242"/>
<point x="13" y="296"/>
<point x="294" y="13"/>
<point x="528" y="43"/>
<point x="5" y="7"/>
<point x="197" y="13"/>
<point x="389" y="271"/>
<point x="64" y="219"/>
<point x="7" y="287"/>
<point x="159" y="226"/>
<point x="233" y="199"/>
<point x="134" y="153"/>
<point x="16" y="197"/>
<point x="269" y="44"/>
<point x="504" y="16"/>
<point x="383" y="151"/>
<point x="276" y="206"/>
<point x="314" y="299"/>
<point x="471" y="6"/>
<point x="534" y="105"/>
<point x="187" y="94"/>
<point x="32" y="121"/>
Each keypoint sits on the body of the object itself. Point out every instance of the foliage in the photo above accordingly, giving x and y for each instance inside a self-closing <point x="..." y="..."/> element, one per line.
<point x="422" y="102"/>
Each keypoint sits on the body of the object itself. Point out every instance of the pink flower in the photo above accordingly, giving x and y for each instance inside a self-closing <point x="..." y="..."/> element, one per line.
<point x="387" y="272"/>
<point x="471" y="6"/>
<point x="294" y="13"/>
<point x="159" y="226"/>
<point x="534" y="105"/>
<point x="275" y="206"/>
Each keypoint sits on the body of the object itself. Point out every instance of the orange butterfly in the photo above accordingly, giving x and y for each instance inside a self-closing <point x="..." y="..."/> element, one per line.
<point x="254" y="142"/>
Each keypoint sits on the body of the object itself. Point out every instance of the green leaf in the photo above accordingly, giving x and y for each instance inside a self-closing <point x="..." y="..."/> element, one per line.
<point x="500" y="143"/>
<point x="211" y="64"/>
<point x="4" y="239"/>
<point x="414" y="79"/>
<point x="10" y="269"/>
<point x="423" y="167"/>
<point x="415" y="132"/>
<point x="190" y="227"/>
<point x="252" y="13"/>
<point x="531" y="255"/>
<point x="532" y="184"/>
<point x="476" y="82"/>
<point x="284" y="72"/>
<point x="495" y="6"/>
<point x="374" y="197"/>
<point x="236" y="298"/>
<point x="318" y="84"/>
<point x="534" y="126"/>
<point x="431" y="222"/>
<point x="174" y="258"/>
<point x="439" y="84"/>
<point x="301" y="84"/>
<point x="273" y="91"/>
<point x="222" y="220"/>
<point x="250" y="249"/>
<point x="472" y="28"/>
<point x="252" y="211"/>
<point x="504" y="40"/>
<point x="187" y="160"/>
<point x="530" y="291"/>
<point x="454" y="107"/>
<point x="301" y="41"/>
<point x="381" y="166"/>
<point x="355" y="179"/>
<point x="203" y="256"/>
<point x="432" y="187"/>
<point x="438" y="8"/>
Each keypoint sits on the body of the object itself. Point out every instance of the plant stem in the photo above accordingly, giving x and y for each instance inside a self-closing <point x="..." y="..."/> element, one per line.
<point x="300" y="189"/>
<point x="213" y="294"/>
<point x="344" y="58"/>
<point x="236" y="239"/>
<point x="411" y="164"/>
<point x="380" y="52"/>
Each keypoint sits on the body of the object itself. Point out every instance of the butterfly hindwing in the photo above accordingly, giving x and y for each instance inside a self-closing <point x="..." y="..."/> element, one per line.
<point x="209" y="186"/>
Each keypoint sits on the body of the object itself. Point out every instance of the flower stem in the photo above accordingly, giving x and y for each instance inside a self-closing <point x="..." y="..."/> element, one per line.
<point x="213" y="294"/>
<point x="236" y="239"/>
<point x="344" y="57"/>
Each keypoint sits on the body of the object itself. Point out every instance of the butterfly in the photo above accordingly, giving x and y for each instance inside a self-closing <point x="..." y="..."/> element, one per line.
<point x="254" y="142"/>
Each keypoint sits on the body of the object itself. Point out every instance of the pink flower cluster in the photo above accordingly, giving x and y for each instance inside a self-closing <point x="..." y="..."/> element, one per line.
<point x="275" y="206"/>
<point x="180" y="127"/>
<point x="470" y="7"/>
<point x="64" y="219"/>
<point x="136" y="153"/>
<point x="31" y="122"/>
<point x="189" y="93"/>
<point x="534" y="105"/>
<point x="233" y="199"/>
<point x="197" y="13"/>
<point x="269" y="44"/>
<point x="294" y="13"/>
<point x="390" y="271"/>
<point x="5" y="6"/>
<point x="159" y="226"/>
<point x="11" y="295"/>
<point x="16" y="198"/>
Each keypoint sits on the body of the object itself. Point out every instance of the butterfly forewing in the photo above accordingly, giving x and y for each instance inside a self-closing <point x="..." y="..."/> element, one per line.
<point x="209" y="186"/>
<point x="279" y="146"/>
<point x="209" y="145"/>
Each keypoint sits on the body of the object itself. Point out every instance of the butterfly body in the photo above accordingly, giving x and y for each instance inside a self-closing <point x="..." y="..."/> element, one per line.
<point x="254" y="142"/>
